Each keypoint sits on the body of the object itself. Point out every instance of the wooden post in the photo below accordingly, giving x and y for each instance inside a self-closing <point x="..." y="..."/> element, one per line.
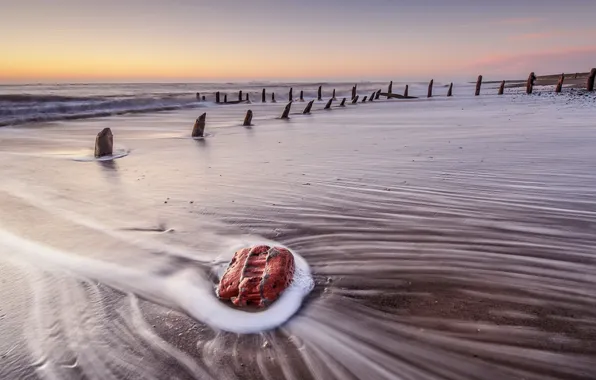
<point x="198" y="96"/>
<point x="225" y="98"/>
<point x="290" y="96"/>
<point x="502" y="88"/>
<point x="354" y="91"/>
<point x="364" y="99"/>
<point x="273" y="97"/>
<point x="328" y="105"/>
<point x="333" y="96"/>
<point x="530" y="83"/>
<point x="478" y="85"/>
<point x="430" y="89"/>
<point x="343" y="102"/>
<point x="390" y="88"/>
<point x="560" y="83"/>
<point x="450" y="91"/>
<point x="591" y="78"/>
<point x="286" y="113"/>
<point x="263" y="100"/>
<point x="320" y="93"/>
<point x="247" y="98"/>
<point x="240" y="95"/>
<point x="406" y="91"/>
<point x="203" y="97"/>
<point x="199" y="127"/>
<point x="301" y="95"/>
<point x="248" y="119"/>
<point x="217" y="97"/>
<point x="378" y="95"/>
<point x="308" y="107"/>
<point x="355" y="100"/>
<point x="104" y="143"/>
<point x="372" y="97"/>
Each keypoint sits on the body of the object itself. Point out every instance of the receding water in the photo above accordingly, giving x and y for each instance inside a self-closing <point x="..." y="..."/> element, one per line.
<point x="447" y="239"/>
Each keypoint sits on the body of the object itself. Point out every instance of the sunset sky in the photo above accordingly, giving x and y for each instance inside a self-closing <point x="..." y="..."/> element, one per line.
<point x="204" y="40"/>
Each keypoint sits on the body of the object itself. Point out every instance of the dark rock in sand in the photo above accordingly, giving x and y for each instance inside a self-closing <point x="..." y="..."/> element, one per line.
<point x="199" y="127"/>
<point x="104" y="143"/>
<point x="257" y="276"/>
<point x="248" y="119"/>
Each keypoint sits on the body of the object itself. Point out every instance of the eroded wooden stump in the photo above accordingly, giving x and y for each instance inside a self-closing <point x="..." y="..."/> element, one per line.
<point x="199" y="128"/>
<point x="217" y="98"/>
<point x="502" y="88"/>
<point x="364" y="99"/>
<point x="240" y="95"/>
<point x="273" y="98"/>
<point x="354" y="91"/>
<point x="390" y="88"/>
<point x="328" y="105"/>
<point x="308" y="107"/>
<point x="286" y="113"/>
<point x="355" y="100"/>
<point x="478" y="85"/>
<point x="104" y="143"/>
<point x="333" y="96"/>
<point x="198" y="96"/>
<point x="320" y="93"/>
<point x="291" y="95"/>
<point x="530" y="83"/>
<point x="560" y="83"/>
<point x="248" y="119"/>
<point x="343" y="102"/>
<point x="225" y="98"/>
<point x="406" y="91"/>
<point x="301" y="95"/>
<point x="430" y="89"/>
<point x="263" y="100"/>
<point x="378" y="95"/>
<point x="450" y="91"/>
<point x="591" y="78"/>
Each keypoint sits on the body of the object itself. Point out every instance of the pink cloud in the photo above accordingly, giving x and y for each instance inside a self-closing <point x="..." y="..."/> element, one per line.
<point x="533" y="36"/>
<point x="542" y="62"/>
<point x="517" y="21"/>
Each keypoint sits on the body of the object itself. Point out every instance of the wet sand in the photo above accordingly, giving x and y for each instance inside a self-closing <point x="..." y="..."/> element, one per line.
<point x="448" y="238"/>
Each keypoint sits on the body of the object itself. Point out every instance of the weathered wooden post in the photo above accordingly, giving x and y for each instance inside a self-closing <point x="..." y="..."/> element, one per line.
<point x="199" y="127"/>
<point x="198" y="96"/>
<point x="364" y="99"/>
<point x="308" y="107"/>
<point x="333" y="96"/>
<point x="378" y="95"/>
<point x="560" y="83"/>
<point x="328" y="105"/>
<point x="286" y="113"/>
<point x="301" y="95"/>
<point x="430" y="89"/>
<point x="247" y="98"/>
<point x="355" y="100"/>
<point x="273" y="97"/>
<point x="406" y="91"/>
<point x="225" y="98"/>
<point x="354" y="91"/>
<point x="203" y="97"/>
<point x="240" y="95"/>
<point x="478" y="85"/>
<point x="372" y="96"/>
<point x="248" y="119"/>
<point x="530" y="83"/>
<point x="450" y="91"/>
<point x="217" y="97"/>
<point x="343" y="102"/>
<point x="291" y="95"/>
<point x="104" y="143"/>
<point x="390" y="88"/>
<point x="263" y="100"/>
<point x="591" y="78"/>
<point x="502" y="88"/>
<point x="320" y="93"/>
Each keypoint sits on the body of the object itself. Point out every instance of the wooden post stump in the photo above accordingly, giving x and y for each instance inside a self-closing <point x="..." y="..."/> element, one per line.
<point x="301" y="95"/>
<point x="364" y="99"/>
<point x="328" y="105"/>
<point x="372" y="97"/>
<point x="240" y="95"/>
<point x="354" y="91"/>
<point x="291" y="95"/>
<point x="203" y="97"/>
<point x="273" y="97"/>
<point x="199" y="127"/>
<point x="225" y="98"/>
<point x="378" y="95"/>
<point x="430" y="89"/>
<point x="104" y="143"/>
<point x="478" y="85"/>
<point x="502" y="88"/>
<point x="247" y="98"/>
<point x="198" y="96"/>
<point x="591" y="78"/>
<point x="263" y="100"/>
<point x="530" y="83"/>
<point x="286" y="113"/>
<point x="355" y="100"/>
<point x="248" y="119"/>
<point x="343" y="102"/>
<point x="560" y="83"/>
<point x="217" y="99"/>
<point x="406" y="91"/>
<point x="333" y="96"/>
<point x="308" y="107"/>
<point x="450" y="91"/>
<point x="320" y="93"/>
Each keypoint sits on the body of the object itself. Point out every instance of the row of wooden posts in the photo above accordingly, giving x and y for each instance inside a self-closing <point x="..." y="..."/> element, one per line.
<point x="105" y="141"/>
<point x="389" y="94"/>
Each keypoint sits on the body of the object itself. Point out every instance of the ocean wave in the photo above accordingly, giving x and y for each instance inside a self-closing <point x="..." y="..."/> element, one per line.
<point x="25" y="108"/>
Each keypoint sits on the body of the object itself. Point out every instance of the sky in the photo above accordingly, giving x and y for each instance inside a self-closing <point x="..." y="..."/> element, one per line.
<point x="225" y="40"/>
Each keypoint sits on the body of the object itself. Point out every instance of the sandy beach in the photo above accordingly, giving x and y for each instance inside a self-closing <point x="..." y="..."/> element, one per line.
<point x="448" y="238"/>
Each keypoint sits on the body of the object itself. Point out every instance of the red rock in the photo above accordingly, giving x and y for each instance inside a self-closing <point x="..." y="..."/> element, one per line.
<point x="257" y="276"/>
